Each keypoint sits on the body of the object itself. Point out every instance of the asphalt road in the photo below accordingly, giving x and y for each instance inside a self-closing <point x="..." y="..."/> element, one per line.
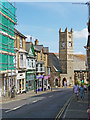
<point x="47" y="105"/>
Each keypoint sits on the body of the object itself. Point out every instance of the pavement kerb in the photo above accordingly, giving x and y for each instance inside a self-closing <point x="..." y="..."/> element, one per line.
<point x="63" y="108"/>
<point x="26" y="97"/>
<point x="17" y="99"/>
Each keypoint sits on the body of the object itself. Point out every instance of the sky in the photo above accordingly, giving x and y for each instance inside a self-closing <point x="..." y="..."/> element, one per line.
<point x="42" y="21"/>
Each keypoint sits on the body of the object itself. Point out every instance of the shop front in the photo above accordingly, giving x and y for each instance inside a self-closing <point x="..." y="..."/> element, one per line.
<point x="45" y="82"/>
<point x="20" y="83"/>
<point x="8" y="82"/>
<point x="30" y="77"/>
<point x="40" y="82"/>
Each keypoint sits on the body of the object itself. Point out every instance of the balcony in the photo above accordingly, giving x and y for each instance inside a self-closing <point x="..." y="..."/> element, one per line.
<point x="40" y="69"/>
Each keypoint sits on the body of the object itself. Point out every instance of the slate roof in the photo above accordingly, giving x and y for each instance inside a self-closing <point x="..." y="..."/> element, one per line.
<point x="28" y="45"/>
<point x="78" y="56"/>
<point x="55" y="61"/>
<point x="38" y="47"/>
<point x="45" y="49"/>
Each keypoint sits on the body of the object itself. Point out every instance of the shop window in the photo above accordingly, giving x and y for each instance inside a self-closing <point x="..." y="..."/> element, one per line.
<point x="23" y="84"/>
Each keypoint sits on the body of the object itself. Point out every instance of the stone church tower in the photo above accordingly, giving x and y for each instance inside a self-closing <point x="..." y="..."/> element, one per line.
<point x="66" y="56"/>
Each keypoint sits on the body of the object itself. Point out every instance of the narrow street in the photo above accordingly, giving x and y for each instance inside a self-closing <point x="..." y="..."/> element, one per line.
<point x="47" y="105"/>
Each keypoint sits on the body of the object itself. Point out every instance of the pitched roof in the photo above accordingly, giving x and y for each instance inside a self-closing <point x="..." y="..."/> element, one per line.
<point x="38" y="47"/>
<point x="55" y="61"/>
<point x="18" y="33"/>
<point x="28" y="45"/>
<point x="45" y="49"/>
<point x="80" y="57"/>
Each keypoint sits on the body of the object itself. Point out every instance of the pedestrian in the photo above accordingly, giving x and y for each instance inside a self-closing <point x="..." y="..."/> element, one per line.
<point x="82" y="91"/>
<point x="76" y="90"/>
<point x="85" y="88"/>
<point x="88" y="113"/>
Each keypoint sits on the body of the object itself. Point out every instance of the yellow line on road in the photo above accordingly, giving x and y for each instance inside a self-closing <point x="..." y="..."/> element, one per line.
<point x="63" y="108"/>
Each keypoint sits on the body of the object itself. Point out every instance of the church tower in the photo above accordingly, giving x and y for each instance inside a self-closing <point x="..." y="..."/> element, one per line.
<point x="66" y="55"/>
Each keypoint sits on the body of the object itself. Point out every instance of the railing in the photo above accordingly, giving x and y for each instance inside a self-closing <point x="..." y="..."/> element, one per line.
<point x="40" y="69"/>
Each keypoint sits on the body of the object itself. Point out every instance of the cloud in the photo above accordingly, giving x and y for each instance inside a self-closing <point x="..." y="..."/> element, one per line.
<point x="83" y="34"/>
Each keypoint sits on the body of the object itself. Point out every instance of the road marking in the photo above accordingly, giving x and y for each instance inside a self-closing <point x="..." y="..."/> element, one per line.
<point x="63" y="108"/>
<point x="35" y="101"/>
<point x="51" y="96"/>
<point x="13" y="109"/>
<point x="66" y="109"/>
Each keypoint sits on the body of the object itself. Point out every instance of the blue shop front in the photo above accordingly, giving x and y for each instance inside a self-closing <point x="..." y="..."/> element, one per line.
<point x="40" y="82"/>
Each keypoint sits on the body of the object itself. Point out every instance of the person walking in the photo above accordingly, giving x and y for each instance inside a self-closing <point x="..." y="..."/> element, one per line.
<point x="88" y="111"/>
<point x="82" y="91"/>
<point x="76" y="90"/>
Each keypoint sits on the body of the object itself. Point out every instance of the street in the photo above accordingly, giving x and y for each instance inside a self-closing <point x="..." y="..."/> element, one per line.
<point x="47" y="105"/>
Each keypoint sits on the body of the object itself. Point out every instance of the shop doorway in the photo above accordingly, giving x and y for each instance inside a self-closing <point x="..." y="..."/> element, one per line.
<point x="64" y="82"/>
<point x="56" y="82"/>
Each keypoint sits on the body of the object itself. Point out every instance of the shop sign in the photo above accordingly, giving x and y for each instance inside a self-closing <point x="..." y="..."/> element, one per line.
<point x="45" y="77"/>
<point x="30" y="77"/>
<point x="39" y="76"/>
<point x="21" y="76"/>
<point x="48" y="76"/>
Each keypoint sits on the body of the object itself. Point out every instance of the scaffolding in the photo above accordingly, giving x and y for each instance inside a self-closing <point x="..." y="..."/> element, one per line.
<point x="7" y="22"/>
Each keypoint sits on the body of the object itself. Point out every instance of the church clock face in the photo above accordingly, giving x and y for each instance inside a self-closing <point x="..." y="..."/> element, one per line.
<point x="63" y="44"/>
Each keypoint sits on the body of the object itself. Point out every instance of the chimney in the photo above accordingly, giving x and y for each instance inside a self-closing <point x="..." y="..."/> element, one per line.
<point x="36" y="42"/>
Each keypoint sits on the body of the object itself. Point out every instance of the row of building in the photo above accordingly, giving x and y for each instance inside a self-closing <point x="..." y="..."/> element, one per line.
<point x="27" y="66"/>
<point x="23" y="65"/>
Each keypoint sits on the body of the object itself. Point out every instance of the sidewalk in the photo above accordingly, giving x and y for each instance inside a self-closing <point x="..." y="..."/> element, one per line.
<point x="26" y="95"/>
<point x="23" y="96"/>
<point x="77" y="109"/>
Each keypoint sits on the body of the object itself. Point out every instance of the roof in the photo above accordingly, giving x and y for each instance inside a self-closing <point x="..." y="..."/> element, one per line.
<point x="45" y="49"/>
<point x="22" y="50"/>
<point x="80" y="57"/>
<point x="38" y="47"/>
<point x="18" y="33"/>
<point x="55" y="62"/>
<point x="28" y="45"/>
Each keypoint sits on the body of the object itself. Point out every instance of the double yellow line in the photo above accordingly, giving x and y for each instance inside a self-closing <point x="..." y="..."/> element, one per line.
<point x="63" y="108"/>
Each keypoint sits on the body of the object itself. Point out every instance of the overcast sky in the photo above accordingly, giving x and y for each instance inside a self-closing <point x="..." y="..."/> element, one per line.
<point x="42" y="20"/>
